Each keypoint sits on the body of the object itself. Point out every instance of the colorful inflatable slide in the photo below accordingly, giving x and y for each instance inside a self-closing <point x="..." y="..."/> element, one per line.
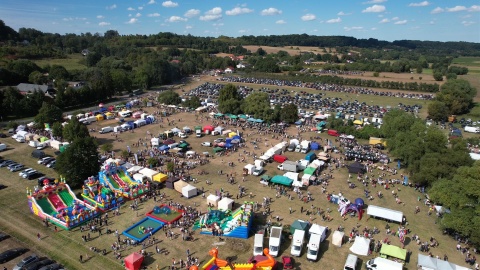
<point x="216" y="263"/>
<point x="119" y="181"/>
<point x="98" y="195"/>
<point x="60" y="206"/>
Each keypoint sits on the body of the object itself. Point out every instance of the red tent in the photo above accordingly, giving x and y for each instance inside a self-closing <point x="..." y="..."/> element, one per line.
<point x="209" y="128"/>
<point x="133" y="261"/>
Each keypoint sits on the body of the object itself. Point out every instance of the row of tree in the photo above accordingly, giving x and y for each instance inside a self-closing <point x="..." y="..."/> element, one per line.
<point x="445" y="167"/>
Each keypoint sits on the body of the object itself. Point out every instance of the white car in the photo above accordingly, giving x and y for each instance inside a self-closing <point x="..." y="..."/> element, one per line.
<point x="219" y="140"/>
<point x="25" y="171"/>
<point x="206" y="144"/>
<point x="45" y="159"/>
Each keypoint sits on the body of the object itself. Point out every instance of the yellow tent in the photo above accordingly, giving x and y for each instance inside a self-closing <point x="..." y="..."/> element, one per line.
<point x="358" y="122"/>
<point x="99" y="117"/>
<point x="160" y="177"/>
<point x="110" y="115"/>
<point x="231" y="134"/>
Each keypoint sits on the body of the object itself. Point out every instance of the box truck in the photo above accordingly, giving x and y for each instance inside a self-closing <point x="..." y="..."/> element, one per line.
<point x="289" y="166"/>
<point x="275" y="240"/>
<point x="297" y="243"/>
<point x="258" y="244"/>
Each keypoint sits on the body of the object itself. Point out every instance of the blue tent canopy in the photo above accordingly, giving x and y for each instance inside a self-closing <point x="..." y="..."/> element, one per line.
<point x="282" y="180"/>
<point x="314" y="146"/>
<point x="103" y="109"/>
<point x="228" y="145"/>
<point x="251" y="119"/>
<point x="259" y="120"/>
<point x="236" y="137"/>
<point x="299" y="122"/>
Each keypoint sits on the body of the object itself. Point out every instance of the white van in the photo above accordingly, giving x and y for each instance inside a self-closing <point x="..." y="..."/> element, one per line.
<point x="3" y="147"/>
<point x="106" y="130"/>
<point x="297" y="243"/>
<point x="351" y="263"/>
<point x="258" y="244"/>
<point x="313" y="247"/>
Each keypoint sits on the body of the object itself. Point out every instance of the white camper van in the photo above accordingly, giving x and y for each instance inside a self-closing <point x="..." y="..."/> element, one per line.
<point x="351" y="262"/>
<point x="313" y="247"/>
<point x="297" y="243"/>
<point x="275" y="240"/>
<point x="258" y="244"/>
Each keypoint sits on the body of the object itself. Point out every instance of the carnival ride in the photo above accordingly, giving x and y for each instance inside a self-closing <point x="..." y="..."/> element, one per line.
<point x="59" y="205"/>
<point x="235" y="224"/>
<point x="99" y="195"/>
<point x="119" y="181"/>
<point x="216" y="263"/>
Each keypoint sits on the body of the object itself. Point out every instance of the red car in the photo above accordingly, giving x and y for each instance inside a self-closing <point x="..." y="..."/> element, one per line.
<point x="287" y="262"/>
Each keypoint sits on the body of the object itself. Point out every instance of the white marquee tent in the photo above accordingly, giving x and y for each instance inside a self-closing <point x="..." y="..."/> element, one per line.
<point x="360" y="246"/>
<point x="149" y="173"/>
<point x="189" y="191"/>
<point x="337" y="238"/>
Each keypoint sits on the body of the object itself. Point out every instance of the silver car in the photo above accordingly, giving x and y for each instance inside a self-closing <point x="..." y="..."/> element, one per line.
<point x="16" y="168"/>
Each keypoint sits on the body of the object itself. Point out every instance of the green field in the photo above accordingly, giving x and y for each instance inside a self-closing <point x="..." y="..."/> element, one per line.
<point x="72" y="62"/>
<point x="467" y="61"/>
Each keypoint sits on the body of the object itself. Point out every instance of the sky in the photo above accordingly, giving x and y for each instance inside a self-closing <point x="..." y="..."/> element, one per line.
<point x="436" y="20"/>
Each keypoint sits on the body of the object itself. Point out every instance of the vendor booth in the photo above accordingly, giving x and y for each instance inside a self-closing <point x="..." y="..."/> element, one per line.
<point x="170" y="182"/>
<point x="225" y="204"/>
<point x="213" y="200"/>
<point x="337" y="238"/>
<point x="178" y="186"/>
<point x="189" y="191"/>
<point x="361" y="246"/>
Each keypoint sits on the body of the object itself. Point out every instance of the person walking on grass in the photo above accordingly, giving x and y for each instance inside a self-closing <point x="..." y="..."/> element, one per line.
<point x="38" y="236"/>
<point x="81" y="258"/>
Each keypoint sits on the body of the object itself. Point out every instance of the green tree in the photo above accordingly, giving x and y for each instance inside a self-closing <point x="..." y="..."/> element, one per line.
<point x="93" y="58"/>
<point x="169" y="97"/>
<point x="48" y="114"/>
<point x="192" y="102"/>
<point x="79" y="161"/>
<point x="75" y="130"/>
<point x="458" y="95"/>
<point x="232" y="106"/>
<point x="256" y="104"/>
<point x="57" y="72"/>
<point x="451" y="76"/>
<point x="37" y="77"/>
<point x="57" y="129"/>
<point x="289" y="114"/>
<point x="152" y="162"/>
<point x="437" y="76"/>
<point x="229" y="91"/>
<point x="461" y="195"/>
<point x="437" y="111"/>
<point x="170" y="166"/>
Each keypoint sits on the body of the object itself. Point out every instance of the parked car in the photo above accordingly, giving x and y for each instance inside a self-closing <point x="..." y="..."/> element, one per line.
<point x="6" y="162"/>
<point x="206" y="144"/>
<point x="26" y="171"/>
<point x="34" y="175"/>
<point x="38" y="264"/>
<point x="17" y="168"/>
<point x="54" y="266"/>
<point x="30" y="174"/>
<point x="45" y="160"/>
<point x="287" y="262"/>
<point x="2" y="135"/>
<point x="12" y="165"/>
<point x="218" y="140"/>
<point x="25" y="261"/>
<point x="11" y="254"/>
<point x="3" y="236"/>
<point x="52" y="164"/>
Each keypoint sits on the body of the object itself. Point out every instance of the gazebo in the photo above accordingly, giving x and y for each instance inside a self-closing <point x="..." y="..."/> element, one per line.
<point x="133" y="261"/>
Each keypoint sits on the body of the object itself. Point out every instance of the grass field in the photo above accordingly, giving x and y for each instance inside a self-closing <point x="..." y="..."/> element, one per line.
<point x="66" y="246"/>
<point x="72" y="62"/>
